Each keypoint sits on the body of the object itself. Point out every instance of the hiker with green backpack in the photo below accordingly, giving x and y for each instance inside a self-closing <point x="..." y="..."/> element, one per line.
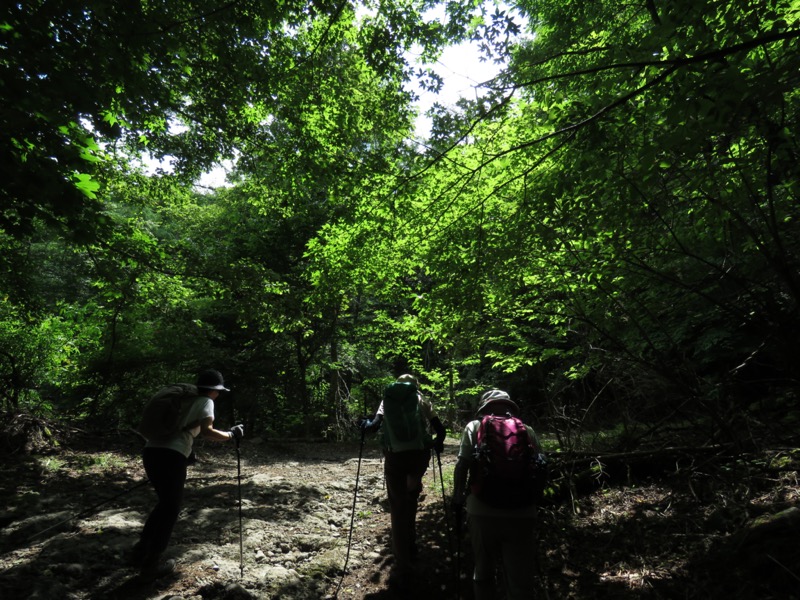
<point x="172" y="419"/>
<point x="405" y="418"/>
<point x="499" y="476"/>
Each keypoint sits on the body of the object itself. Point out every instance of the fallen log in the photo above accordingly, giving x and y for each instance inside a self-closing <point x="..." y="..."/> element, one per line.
<point x="579" y="473"/>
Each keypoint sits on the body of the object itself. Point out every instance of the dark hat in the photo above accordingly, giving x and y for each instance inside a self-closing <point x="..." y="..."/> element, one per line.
<point x="211" y="380"/>
<point x="497" y="400"/>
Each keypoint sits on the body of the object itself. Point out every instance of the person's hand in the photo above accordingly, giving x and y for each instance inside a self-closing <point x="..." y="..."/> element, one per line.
<point x="237" y="431"/>
<point x="367" y="425"/>
<point x="438" y="445"/>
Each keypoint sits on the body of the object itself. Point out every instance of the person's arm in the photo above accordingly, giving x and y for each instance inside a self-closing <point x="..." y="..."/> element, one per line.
<point x="533" y="437"/>
<point x="460" y="482"/>
<point x="373" y="424"/>
<point x="208" y="432"/>
<point x="426" y="409"/>
<point x="441" y="434"/>
<point x="461" y="473"/>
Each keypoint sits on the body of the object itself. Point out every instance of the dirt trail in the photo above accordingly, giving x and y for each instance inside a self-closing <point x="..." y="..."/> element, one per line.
<point x="682" y="536"/>
<point x="297" y="504"/>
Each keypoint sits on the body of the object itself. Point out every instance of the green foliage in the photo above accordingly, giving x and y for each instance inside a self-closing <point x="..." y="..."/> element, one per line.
<point x="610" y="233"/>
<point x="631" y="246"/>
<point x="87" y="84"/>
<point x="39" y="354"/>
<point x="50" y="463"/>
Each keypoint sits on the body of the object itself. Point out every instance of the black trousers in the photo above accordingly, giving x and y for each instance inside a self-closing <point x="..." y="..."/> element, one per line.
<point x="403" y="472"/>
<point x="166" y="470"/>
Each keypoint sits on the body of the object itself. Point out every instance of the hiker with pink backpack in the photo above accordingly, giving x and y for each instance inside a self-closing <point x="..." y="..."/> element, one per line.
<point x="499" y="477"/>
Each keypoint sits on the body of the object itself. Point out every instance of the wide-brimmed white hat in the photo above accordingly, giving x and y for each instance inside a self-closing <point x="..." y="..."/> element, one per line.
<point x="497" y="401"/>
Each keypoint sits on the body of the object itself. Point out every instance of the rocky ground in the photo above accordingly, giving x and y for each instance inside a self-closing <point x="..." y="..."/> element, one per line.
<point x="72" y="512"/>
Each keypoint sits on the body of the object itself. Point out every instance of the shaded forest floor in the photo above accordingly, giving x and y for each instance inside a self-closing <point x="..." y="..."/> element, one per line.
<point x="70" y="513"/>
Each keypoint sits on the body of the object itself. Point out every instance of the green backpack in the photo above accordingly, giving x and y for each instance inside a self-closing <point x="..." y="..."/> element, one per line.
<point x="403" y="424"/>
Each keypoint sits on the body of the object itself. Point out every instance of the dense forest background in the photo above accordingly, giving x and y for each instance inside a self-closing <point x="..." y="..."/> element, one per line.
<point x="610" y="232"/>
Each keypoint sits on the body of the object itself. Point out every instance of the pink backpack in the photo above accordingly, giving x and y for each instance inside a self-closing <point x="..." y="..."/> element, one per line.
<point x="508" y="471"/>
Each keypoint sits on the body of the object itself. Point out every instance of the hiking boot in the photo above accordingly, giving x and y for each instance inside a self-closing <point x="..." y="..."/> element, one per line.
<point x="400" y="583"/>
<point x="414" y="551"/>
<point x="153" y="570"/>
<point x="135" y="556"/>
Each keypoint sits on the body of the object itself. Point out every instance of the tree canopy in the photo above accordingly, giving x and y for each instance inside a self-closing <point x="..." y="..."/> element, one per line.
<point x="610" y="232"/>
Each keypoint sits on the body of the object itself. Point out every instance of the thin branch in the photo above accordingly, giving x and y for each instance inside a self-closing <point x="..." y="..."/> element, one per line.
<point x="672" y="64"/>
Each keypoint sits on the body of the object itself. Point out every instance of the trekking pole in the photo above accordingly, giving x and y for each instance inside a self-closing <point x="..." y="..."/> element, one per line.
<point x="459" y="517"/>
<point x="441" y="480"/>
<point x="352" y="514"/>
<point x="90" y="511"/>
<point x="241" y="537"/>
<point x="446" y="516"/>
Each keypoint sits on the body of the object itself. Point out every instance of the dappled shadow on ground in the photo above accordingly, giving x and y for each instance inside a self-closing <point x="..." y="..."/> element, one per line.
<point x="682" y="535"/>
<point x="659" y="539"/>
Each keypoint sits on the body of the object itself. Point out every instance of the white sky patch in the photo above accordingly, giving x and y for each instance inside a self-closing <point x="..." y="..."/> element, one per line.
<point x="216" y="177"/>
<point x="463" y="74"/>
<point x="461" y="69"/>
